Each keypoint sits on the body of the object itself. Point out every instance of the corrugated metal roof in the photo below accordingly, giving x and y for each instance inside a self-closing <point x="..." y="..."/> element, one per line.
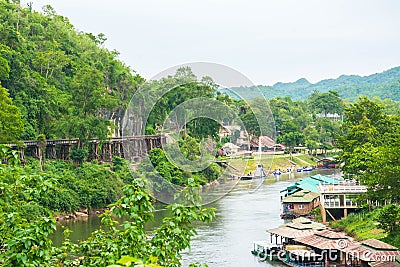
<point x="310" y="183"/>
<point x="314" y="226"/>
<point x="297" y="229"/>
<point x="303" y="196"/>
<point x="302" y="220"/>
<point x="332" y="235"/>
<point x="290" y="232"/>
<point x="384" y="264"/>
<point x="377" y="244"/>
<point x="368" y="253"/>
<point x="324" y="240"/>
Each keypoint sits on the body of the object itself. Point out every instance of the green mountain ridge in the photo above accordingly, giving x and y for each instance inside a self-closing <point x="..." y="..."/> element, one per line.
<point x="384" y="85"/>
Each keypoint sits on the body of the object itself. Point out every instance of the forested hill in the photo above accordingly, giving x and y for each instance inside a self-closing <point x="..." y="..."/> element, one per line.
<point x="383" y="85"/>
<point x="65" y="83"/>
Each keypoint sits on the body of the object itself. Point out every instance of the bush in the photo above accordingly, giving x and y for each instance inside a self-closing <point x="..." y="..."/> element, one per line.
<point x="79" y="155"/>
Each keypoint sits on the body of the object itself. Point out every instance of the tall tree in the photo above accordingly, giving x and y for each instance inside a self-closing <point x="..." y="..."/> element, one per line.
<point x="11" y="125"/>
<point x="329" y="102"/>
<point x="369" y="140"/>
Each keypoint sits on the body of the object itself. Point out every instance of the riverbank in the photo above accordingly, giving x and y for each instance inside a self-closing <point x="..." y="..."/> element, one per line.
<point x="273" y="162"/>
<point x="364" y="225"/>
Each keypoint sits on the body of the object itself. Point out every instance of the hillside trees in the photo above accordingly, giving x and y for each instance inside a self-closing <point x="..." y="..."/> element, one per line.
<point x="175" y="90"/>
<point x="11" y="124"/>
<point x="329" y="102"/>
<point x="370" y="144"/>
<point x="65" y="82"/>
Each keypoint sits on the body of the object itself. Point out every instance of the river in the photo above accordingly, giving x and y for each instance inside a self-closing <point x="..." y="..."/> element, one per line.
<point x="242" y="216"/>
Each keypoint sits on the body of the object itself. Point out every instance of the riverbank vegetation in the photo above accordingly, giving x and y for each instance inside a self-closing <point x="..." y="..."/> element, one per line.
<point x="56" y="82"/>
<point x="24" y="230"/>
<point x="68" y="188"/>
<point x="369" y="143"/>
<point x="372" y="223"/>
<point x="274" y="161"/>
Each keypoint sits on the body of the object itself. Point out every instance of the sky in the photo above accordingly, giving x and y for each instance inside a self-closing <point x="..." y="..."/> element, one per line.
<point x="267" y="41"/>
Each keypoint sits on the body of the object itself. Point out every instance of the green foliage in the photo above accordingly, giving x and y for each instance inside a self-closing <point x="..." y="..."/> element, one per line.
<point x="11" y="156"/>
<point x="67" y="188"/>
<point x="370" y="148"/>
<point x="179" y="177"/>
<point x="291" y="139"/>
<point x="368" y="224"/>
<point x="64" y="82"/>
<point x="25" y="241"/>
<point x="328" y="102"/>
<point x="131" y="261"/>
<point x="79" y="155"/>
<point x="11" y="124"/>
<point x="182" y="87"/>
<point x="113" y="243"/>
<point x="389" y="217"/>
<point x="383" y="85"/>
<point x="361" y="225"/>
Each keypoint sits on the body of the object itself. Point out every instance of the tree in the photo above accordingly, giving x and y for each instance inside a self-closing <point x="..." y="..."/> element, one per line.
<point x="388" y="218"/>
<point x="79" y="155"/>
<point x="11" y="125"/>
<point x="369" y="140"/>
<point x="53" y="71"/>
<point x="90" y="100"/>
<point x="41" y="146"/>
<point x="329" y="102"/>
<point x="26" y="226"/>
<point x="291" y="139"/>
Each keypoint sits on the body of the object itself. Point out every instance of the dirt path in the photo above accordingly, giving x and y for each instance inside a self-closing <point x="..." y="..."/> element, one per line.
<point x="299" y="159"/>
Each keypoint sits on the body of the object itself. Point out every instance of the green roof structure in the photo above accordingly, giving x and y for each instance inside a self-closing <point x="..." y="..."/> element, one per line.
<point x="303" y="196"/>
<point x="309" y="183"/>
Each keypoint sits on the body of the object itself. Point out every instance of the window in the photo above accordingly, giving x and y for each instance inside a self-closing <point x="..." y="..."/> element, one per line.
<point x="301" y="206"/>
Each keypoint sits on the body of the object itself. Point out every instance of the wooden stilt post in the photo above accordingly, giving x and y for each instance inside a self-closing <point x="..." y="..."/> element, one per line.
<point x="323" y="213"/>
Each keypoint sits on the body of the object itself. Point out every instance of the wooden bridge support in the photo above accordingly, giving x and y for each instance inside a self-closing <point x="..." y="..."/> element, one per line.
<point x="106" y="152"/>
<point x="94" y="151"/>
<point x="131" y="148"/>
<point x="51" y="152"/>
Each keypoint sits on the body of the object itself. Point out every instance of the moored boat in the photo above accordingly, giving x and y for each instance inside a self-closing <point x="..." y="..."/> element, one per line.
<point x="305" y="169"/>
<point x="268" y="251"/>
<point x="300" y="256"/>
<point x="258" y="173"/>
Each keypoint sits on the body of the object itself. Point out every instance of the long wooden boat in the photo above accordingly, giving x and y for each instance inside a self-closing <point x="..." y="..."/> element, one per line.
<point x="266" y="251"/>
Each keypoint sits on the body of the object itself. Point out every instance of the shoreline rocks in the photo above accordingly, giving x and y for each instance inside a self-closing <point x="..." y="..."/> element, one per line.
<point x="82" y="214"/>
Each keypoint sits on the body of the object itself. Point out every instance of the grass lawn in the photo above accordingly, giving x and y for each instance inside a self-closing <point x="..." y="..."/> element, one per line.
<point x="272" y="162"/>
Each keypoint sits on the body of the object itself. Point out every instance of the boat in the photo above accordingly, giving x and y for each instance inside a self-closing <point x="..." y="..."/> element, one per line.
<point x="246" y="177"/>
<point x="266" y="251"/>
<point x="258" y="173"/>
<point x="305" y="169"/>
<point x="300" y="256"/>
<point x="278" y="172"/>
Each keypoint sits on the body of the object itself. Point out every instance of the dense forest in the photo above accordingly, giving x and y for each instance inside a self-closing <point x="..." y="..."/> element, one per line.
<point x="56" y="82"/>
<point x="64" y="82"/>
<point x="383" y="85"/>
